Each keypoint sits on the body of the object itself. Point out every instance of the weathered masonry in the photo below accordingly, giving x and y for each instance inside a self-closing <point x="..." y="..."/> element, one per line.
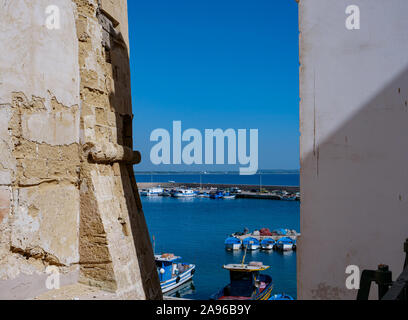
<point x="354" y="146"/>
<point x="68" y="196"/>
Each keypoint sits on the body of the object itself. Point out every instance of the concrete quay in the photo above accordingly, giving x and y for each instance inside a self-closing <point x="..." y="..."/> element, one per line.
<point x="207" y="186"/>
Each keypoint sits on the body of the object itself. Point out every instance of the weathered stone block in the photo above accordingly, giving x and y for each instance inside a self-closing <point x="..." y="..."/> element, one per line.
<point x="5" y="196"/>
<point x="60" y="128"/>
<point x="47" y="217"/>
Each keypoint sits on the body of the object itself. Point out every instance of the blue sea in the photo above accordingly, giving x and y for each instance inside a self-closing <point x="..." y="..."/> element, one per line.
<point x="195" y="229"/>
<point x="271" y="179"/>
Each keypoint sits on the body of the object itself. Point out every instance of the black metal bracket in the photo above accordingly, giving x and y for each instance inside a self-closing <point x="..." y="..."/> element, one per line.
<point x="387" y="290"/>
<point x="399" y="290"/>
<point x="382" y="277"/>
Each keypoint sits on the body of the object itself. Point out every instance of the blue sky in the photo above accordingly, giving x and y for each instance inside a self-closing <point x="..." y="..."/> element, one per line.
<point x="217" y="64"/>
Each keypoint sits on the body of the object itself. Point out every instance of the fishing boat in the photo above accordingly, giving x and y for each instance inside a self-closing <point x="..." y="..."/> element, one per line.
<point x="268" y="244"/>
<point x="232" y="243"/>
<point x="284" y="244"/>
<point x="216" y="195"/>
<point x="183" y="193"/>
<point x="228" y="196"/>
<point x="246" y="283"/>
<point x="171" y="273"/>
<point x="251" y="243"/>
<point x="165" y="193"/>
<point x="143" y="192"/>
<point x="154" y="192"/>
<point x="281" y="296"/>
<point x="203" y="195"/>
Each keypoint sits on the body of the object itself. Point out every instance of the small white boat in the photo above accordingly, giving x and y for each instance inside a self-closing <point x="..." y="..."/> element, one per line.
<point x="232" y="243"/>
<point x="285" y="244"/>
<point x="203" y="195"/>
<point x="154" y="191"/>
<point x="183" y="193"/>
<point x="143" y="192"/>
<point x="268" y="244"/>
<point x="251" y="243"/>
<point x="228" y="196"/>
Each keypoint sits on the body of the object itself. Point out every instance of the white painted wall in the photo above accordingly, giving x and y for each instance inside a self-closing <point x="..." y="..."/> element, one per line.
<point x="354" y="146"/>
<point x="34" y="59"/>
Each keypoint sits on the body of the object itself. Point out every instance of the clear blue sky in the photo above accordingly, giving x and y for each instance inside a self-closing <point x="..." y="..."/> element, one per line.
<point x="217" y="64"/>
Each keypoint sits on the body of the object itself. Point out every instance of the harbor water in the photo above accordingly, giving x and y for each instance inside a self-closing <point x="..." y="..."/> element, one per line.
<point x="196" y="228"/>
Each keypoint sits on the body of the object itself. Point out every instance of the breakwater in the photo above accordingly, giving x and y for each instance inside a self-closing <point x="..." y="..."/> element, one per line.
<point x="247" y="189"/>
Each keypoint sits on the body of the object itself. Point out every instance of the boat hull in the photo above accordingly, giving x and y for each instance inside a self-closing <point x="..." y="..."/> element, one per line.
<point x="252" y="247"/>
<point x="180" y="195"/>
<point x="233" y="246"/>
<point x="267" y="246"/>
<point x="284" y="247"/>
<point x="175" y="282"/>
<point x="264" y="295"/>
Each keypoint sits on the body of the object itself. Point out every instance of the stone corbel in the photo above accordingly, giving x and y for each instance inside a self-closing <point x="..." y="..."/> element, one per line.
<point x="110" y="153"/>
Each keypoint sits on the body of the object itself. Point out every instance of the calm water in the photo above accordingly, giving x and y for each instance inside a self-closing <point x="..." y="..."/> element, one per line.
<point x="272" y="179"/>
<point x="195" y="229"/>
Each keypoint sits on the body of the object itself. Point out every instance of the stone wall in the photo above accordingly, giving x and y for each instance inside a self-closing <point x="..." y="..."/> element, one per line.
<point x="68" y="197"/>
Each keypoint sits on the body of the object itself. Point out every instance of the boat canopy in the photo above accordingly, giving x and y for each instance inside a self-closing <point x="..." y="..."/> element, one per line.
<point x="268" y="241"/>
<point x="286" y="240"/>
<point x="232" y="240"/>
<point x="250" y="240"/>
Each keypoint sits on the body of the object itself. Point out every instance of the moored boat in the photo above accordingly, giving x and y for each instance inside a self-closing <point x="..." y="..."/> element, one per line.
<point x="154" y="191"/>
<point x="232" y="243"/>
<point x="216" y="195"/>
<point x="165" y="193"/>
<point x="285" y="244"/>
<point x="183" y="193"/>
<point x="251" y="243"/>
<point x="203" y="195"/>
<point x="228" y="196"/>
<point x="268" y="244"/>
<point x="171" y="273"/>
<point x="281" y="296"/>
<point x="246" y="283"/>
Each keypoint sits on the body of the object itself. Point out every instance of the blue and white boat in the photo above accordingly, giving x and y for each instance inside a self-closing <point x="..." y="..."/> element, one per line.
<point x="216" y="195"/>
<point x="251" y="243"/>
<point x="183" y="193"/>
<point x="172" y="274"/>
<point x="154" y="191"/>
<point x="232" y="243"/>
<point x="268" y="244"/>
<point x="285" y="244"/>
<point x="228" y="196"/>
<point x="281" y="296"/>
<point x="203" y="195"/>
<point x="246" y="283"/>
